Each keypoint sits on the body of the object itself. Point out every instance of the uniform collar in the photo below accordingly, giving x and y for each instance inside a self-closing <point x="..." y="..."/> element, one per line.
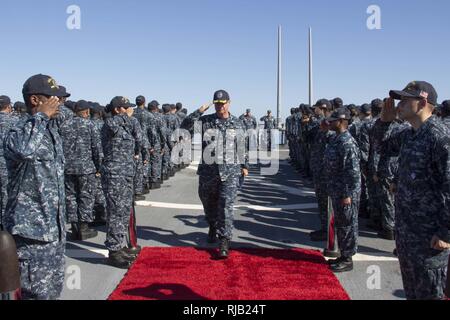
<point x="424" y="127"/>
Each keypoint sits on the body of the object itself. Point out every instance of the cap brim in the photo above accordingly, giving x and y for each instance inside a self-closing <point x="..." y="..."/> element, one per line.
<point x="399" y="94"/>
<point x="220" y="101"/>
<point x="52" y="93"/>
<point x="331" y="119"/>
<point x="125" y="106"/>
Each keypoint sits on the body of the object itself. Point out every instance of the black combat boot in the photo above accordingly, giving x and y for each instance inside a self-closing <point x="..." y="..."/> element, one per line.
<point x="134" y="251"/>
<point x="212" y="235"/>
<point x="81" y="232"/>
<point x="224" y="248"/>
<point x="75" y="232"/>
<point x="155" y="185"/>
<point x="86" y="232"/>
<point x="139" y="197"/>
<point x="126" y="255"/>
<point x="374" y="225"/>
<point x="343" y="265"/>
<point x="333" y="262"/>
<point x="100" y="216"/>
<point x="386" y="234"/>
<point x="116" y="259"/>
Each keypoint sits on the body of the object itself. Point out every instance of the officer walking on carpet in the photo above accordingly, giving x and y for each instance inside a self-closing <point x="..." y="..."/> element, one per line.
<point x="220" y="174"/>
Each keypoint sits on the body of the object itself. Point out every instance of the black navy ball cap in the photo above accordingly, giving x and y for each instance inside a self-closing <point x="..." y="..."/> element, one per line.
<point x="221" y="96"/>
<point x="418" y="90"/>
<point x="43" y="85"/>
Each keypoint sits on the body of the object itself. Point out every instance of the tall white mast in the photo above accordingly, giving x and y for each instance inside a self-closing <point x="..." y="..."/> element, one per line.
<point x="279" y="78"/>
<point x="311" y="92"/>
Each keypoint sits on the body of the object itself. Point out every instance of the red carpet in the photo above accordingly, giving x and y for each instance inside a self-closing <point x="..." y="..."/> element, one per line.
<point x="249" y="274"/>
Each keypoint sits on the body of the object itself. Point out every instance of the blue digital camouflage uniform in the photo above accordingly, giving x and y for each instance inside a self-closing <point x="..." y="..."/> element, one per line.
<point x="170" y="125"/>
<point x="296" y="119"/>
<point x="118" y="173"/>
<point x="7" y="121"/>
<point x="249" y="122"/>
<point x="385" y="169"/>
<point x="342" y="164"/>
<point x="355" y="128"/>
<point x="421" y="205"/>
<point x="219" y="179"/>
<point x="157" y="139"/>
<point x="305" y="148"/>
<point x="35" y="213"/>
<point x="269" y="124"/>
<point x="83" y="153"/>
<point x="300" y="142"/>
<point x="363" y="144"/>
<point x="319" y="140"/>
<point x="142" y="169"/>
<point x="369" y="159"/>
<point x="250" y="125"/>
<point x="289" y="121"/>
<point x="168" y="144"/>
<point x="100" y="201"/>
<point x="141" y="150"/>
<point x="446" y="121"/>
<point x="180" y="118"/>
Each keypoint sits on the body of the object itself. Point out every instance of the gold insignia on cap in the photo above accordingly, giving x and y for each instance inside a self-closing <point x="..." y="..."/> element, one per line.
<point x="53" y="83"/>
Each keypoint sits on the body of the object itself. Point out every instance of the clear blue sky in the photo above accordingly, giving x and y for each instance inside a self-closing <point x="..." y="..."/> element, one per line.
<point x="184" y="50"/>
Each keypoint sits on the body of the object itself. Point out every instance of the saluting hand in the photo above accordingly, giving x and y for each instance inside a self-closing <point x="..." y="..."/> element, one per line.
<point x="49" y="107"/>
<point x="389" y="113"/>
<point x="205" y="107"/>
<point x="130" y="112"/>
<point x="347" y="202"/>
<point x="393" y="188"/>
<point x="324" y="126"/>
<point x="438" y="244"/>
